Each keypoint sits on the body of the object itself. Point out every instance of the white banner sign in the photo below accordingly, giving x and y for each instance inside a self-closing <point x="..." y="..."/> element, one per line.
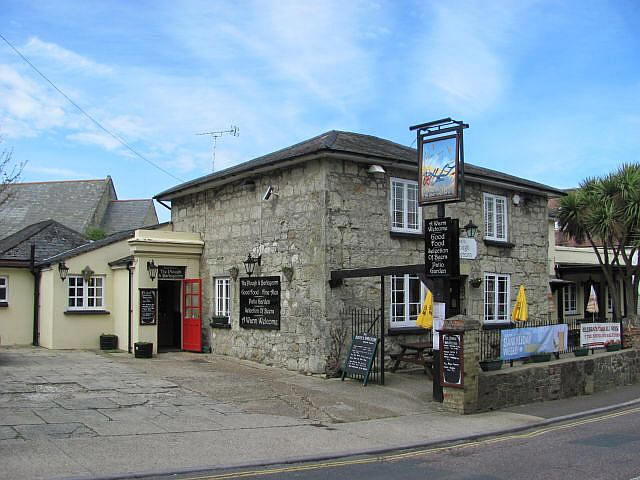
<point x="468" y="248"/>
<point x="438" y="320"/>
<point x="594" y="335"/>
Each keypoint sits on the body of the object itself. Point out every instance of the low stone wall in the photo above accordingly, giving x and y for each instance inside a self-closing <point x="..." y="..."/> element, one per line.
<point x="563" y="378"/>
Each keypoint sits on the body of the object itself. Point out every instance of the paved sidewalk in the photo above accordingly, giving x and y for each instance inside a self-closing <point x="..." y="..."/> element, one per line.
<point x="67" y="414"/>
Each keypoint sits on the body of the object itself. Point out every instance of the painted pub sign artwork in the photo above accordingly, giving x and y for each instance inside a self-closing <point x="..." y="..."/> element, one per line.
<point x="439" y="170"/>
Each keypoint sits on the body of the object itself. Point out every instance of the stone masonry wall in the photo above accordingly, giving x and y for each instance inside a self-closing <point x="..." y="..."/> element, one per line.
<point x="292" y="224"/>
<point x="559" y="379"/>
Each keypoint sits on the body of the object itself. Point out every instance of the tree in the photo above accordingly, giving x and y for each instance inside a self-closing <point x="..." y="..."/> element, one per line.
<point x="606" y="212"/>
<point x="9" y="174"/>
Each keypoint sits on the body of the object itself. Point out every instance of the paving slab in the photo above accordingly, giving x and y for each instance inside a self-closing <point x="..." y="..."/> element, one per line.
<point x="62" y="415"/>
<point x="74" y="403"/>
<point x="19" y="416"/>
<point x="125" y="428"/>
<point x="7" y="433"/>
<point x="53" y="430"/>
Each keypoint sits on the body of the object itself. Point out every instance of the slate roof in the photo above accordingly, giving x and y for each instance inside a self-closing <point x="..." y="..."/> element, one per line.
<point x="128" y="214"/>
<point x="50" y="238"/>
<point x="72" y="203"/>
<point x="369" y="148"/>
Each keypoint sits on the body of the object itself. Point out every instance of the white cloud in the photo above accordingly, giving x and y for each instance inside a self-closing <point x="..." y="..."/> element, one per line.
<point x="95" y="138"/>
<point x="62" y="57"/>
<point x="55" y="172"/>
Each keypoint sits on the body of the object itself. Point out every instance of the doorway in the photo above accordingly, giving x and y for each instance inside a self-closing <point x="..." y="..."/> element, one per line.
<point x="169" y="315"/>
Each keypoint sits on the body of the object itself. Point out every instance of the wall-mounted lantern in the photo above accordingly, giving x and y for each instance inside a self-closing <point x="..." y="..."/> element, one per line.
<point x="87" y="273"/>
<point x="250" y="264"/>
<point x="152" y="268"/>
<point x="63" y="270"/>
<point x="471" y="229"/>
<point x="233" y="273"/>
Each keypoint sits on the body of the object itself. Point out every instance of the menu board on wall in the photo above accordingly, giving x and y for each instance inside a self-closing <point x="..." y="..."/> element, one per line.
<point x="148" y="306"/>
<point x="441" y="247"/>
<point x="451" y="359"/>
<point x="260" y="302"/>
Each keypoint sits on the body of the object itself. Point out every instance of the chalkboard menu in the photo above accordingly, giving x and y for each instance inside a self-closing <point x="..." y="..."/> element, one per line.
<point x="260" y="302"/>
<point x="441" y="247"/>
<point x="451" y="359"/>
<point x="148" y="306"/>
<point x="361" y="355"/>
<point x="171" y="272"/>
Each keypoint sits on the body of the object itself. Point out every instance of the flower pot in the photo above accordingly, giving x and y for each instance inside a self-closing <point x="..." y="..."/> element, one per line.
<point x="613" y="347"/>
<point x="581" y="352"/>
<point x="541" y="357"/>
<point x="490" y="365"/>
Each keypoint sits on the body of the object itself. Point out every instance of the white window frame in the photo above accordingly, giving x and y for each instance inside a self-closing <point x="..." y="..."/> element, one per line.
<point x="404" y="228"/>
<point x="85" y="296"/>
<point x="4" y="289"/>
<point x="490" y="215"/>
<point x="570" y="299"/>
<point x="405" y="321"/>
<point x="495" y="300"/>
<point x="222" y="297"/>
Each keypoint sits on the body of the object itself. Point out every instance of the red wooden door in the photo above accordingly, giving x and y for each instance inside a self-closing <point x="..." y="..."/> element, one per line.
<point x="192" y="315"/>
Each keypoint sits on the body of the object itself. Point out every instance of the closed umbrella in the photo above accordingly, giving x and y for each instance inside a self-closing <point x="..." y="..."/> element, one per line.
<point x="425" y="318"/>
<point x="520" y="310"/>
<point x="592" y="304"/>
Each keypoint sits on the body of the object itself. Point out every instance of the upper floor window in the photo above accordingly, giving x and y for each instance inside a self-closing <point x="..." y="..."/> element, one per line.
<point x="407" y="296"/>
<point x="570" y="299"/>
<point x="495" y="217"/>
<point x="222" y="297"/>
<point x="4" y="289"/>
<point x="496" y="297"/>
<point x="406" y="215"/>
<point x="85" y="295"/>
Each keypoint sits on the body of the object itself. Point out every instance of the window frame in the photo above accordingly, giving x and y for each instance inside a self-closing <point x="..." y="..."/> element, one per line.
<point x="225" y="283"/>
<point x="405" y="206"/>
<point x="406" y="302"/>
<point x="85" y="296"/>
<point x="4" y="288"/>
<point x="566" y="300"/>
<point x="492" y="233"/>
<point x="497" y="319"/>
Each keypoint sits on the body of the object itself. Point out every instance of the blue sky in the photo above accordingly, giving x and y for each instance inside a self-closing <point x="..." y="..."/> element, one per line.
<point x="551" y="90"/>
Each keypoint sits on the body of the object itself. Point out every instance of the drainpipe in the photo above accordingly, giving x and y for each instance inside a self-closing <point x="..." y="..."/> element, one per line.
<point x="130" y="312"/>
<point x="36" y="296"/>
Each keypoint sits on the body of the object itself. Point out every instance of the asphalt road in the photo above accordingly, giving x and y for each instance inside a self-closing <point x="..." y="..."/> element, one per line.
<point x="606" y="446"/>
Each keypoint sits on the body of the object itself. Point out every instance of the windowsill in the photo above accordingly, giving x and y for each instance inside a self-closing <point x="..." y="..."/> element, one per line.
<point x="86" y="312"/>
<point x="4" y="304"/>
<point x="498" y="243"/>
<point x="415" y="235"/>
<point x="497" y="325"/>
<point x="407" y="331"/>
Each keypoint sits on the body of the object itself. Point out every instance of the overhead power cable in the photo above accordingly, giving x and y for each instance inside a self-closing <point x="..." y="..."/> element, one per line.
<point x="93" y="120"/>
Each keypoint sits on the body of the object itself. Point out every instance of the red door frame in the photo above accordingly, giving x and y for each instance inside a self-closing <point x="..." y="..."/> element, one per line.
<point x="192" y="314"/>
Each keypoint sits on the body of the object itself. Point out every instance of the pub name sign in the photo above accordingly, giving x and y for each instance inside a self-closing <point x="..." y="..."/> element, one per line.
<point x="260" y="302"/>
<point x="441" y="254"/>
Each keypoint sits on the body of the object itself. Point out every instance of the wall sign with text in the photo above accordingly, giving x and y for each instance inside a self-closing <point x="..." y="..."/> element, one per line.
<point x="260" y="302"/>
<point x="441" y="249"/>
<point x="148" y="306"/>
<point x="171" y="272"/>
<point x="451" y="359"/>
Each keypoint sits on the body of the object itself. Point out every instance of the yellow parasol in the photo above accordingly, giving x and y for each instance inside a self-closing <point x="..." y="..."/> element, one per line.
<point x="425" y="318"/>
<point x="520" y="310"/>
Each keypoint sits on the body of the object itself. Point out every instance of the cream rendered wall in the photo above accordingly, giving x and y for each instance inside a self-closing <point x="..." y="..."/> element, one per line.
<point x="120" y="310"/>
<point x="48" y="277"/>
<point x="83" y="330"/>
<point x="16" y="320"/>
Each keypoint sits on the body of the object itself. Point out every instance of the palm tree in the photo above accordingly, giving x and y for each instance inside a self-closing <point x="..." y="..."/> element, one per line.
<point x="606" y="213"/>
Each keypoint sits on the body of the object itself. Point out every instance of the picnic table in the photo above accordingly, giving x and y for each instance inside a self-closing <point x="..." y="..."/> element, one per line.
<point x="420" y="353"/>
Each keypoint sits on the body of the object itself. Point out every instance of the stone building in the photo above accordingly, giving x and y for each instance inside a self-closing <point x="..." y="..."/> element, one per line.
<point x="330" y="211"/>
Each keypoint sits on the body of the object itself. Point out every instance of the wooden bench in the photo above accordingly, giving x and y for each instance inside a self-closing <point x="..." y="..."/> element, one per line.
<point x="416" y="356"/>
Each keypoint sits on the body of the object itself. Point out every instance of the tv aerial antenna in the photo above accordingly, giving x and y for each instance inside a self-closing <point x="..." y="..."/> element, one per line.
<point x="233" y="130"/>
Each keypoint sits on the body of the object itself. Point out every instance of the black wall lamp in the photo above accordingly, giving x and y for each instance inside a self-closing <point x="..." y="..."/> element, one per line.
<point x="250" y="264"/>
<point x="471" y="229"/>
<point x="63" y="270"/>
<point x="152" y="268"/>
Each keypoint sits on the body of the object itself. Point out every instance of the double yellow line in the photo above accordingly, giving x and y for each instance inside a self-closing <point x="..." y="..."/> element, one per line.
<point x="414" y="453"/>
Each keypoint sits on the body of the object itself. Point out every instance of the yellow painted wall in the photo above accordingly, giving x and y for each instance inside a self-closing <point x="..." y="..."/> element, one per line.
<point x="119" y="312"/>
<point x="48" y="278"/>
<point x="16" y="320"/>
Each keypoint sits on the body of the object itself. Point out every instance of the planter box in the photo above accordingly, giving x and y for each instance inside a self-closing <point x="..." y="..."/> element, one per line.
<point x="143" y="349"/>
<point x="581" y="352"/>
<point x="108" y="342"/>
<point x="613" y="347"/>
<point x="490" y="365"/>
<point x="541" y="357"/>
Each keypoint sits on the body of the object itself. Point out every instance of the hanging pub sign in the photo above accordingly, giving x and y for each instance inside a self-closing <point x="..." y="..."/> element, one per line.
<point x="171" y="272"/>
<point x="148" y="306"/>
<point x="260" y="302"/>
<point x="441" y="253"/>
<point x="451" y="359"/>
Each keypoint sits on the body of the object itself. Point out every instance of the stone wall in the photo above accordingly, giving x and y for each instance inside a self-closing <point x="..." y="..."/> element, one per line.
<point x="558" y="379"/>
<point x="234" y="219"/>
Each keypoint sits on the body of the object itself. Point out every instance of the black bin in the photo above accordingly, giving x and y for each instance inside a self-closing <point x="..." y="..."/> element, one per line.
<point x="143" y="349"/>
<point x="108" y="342"/>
